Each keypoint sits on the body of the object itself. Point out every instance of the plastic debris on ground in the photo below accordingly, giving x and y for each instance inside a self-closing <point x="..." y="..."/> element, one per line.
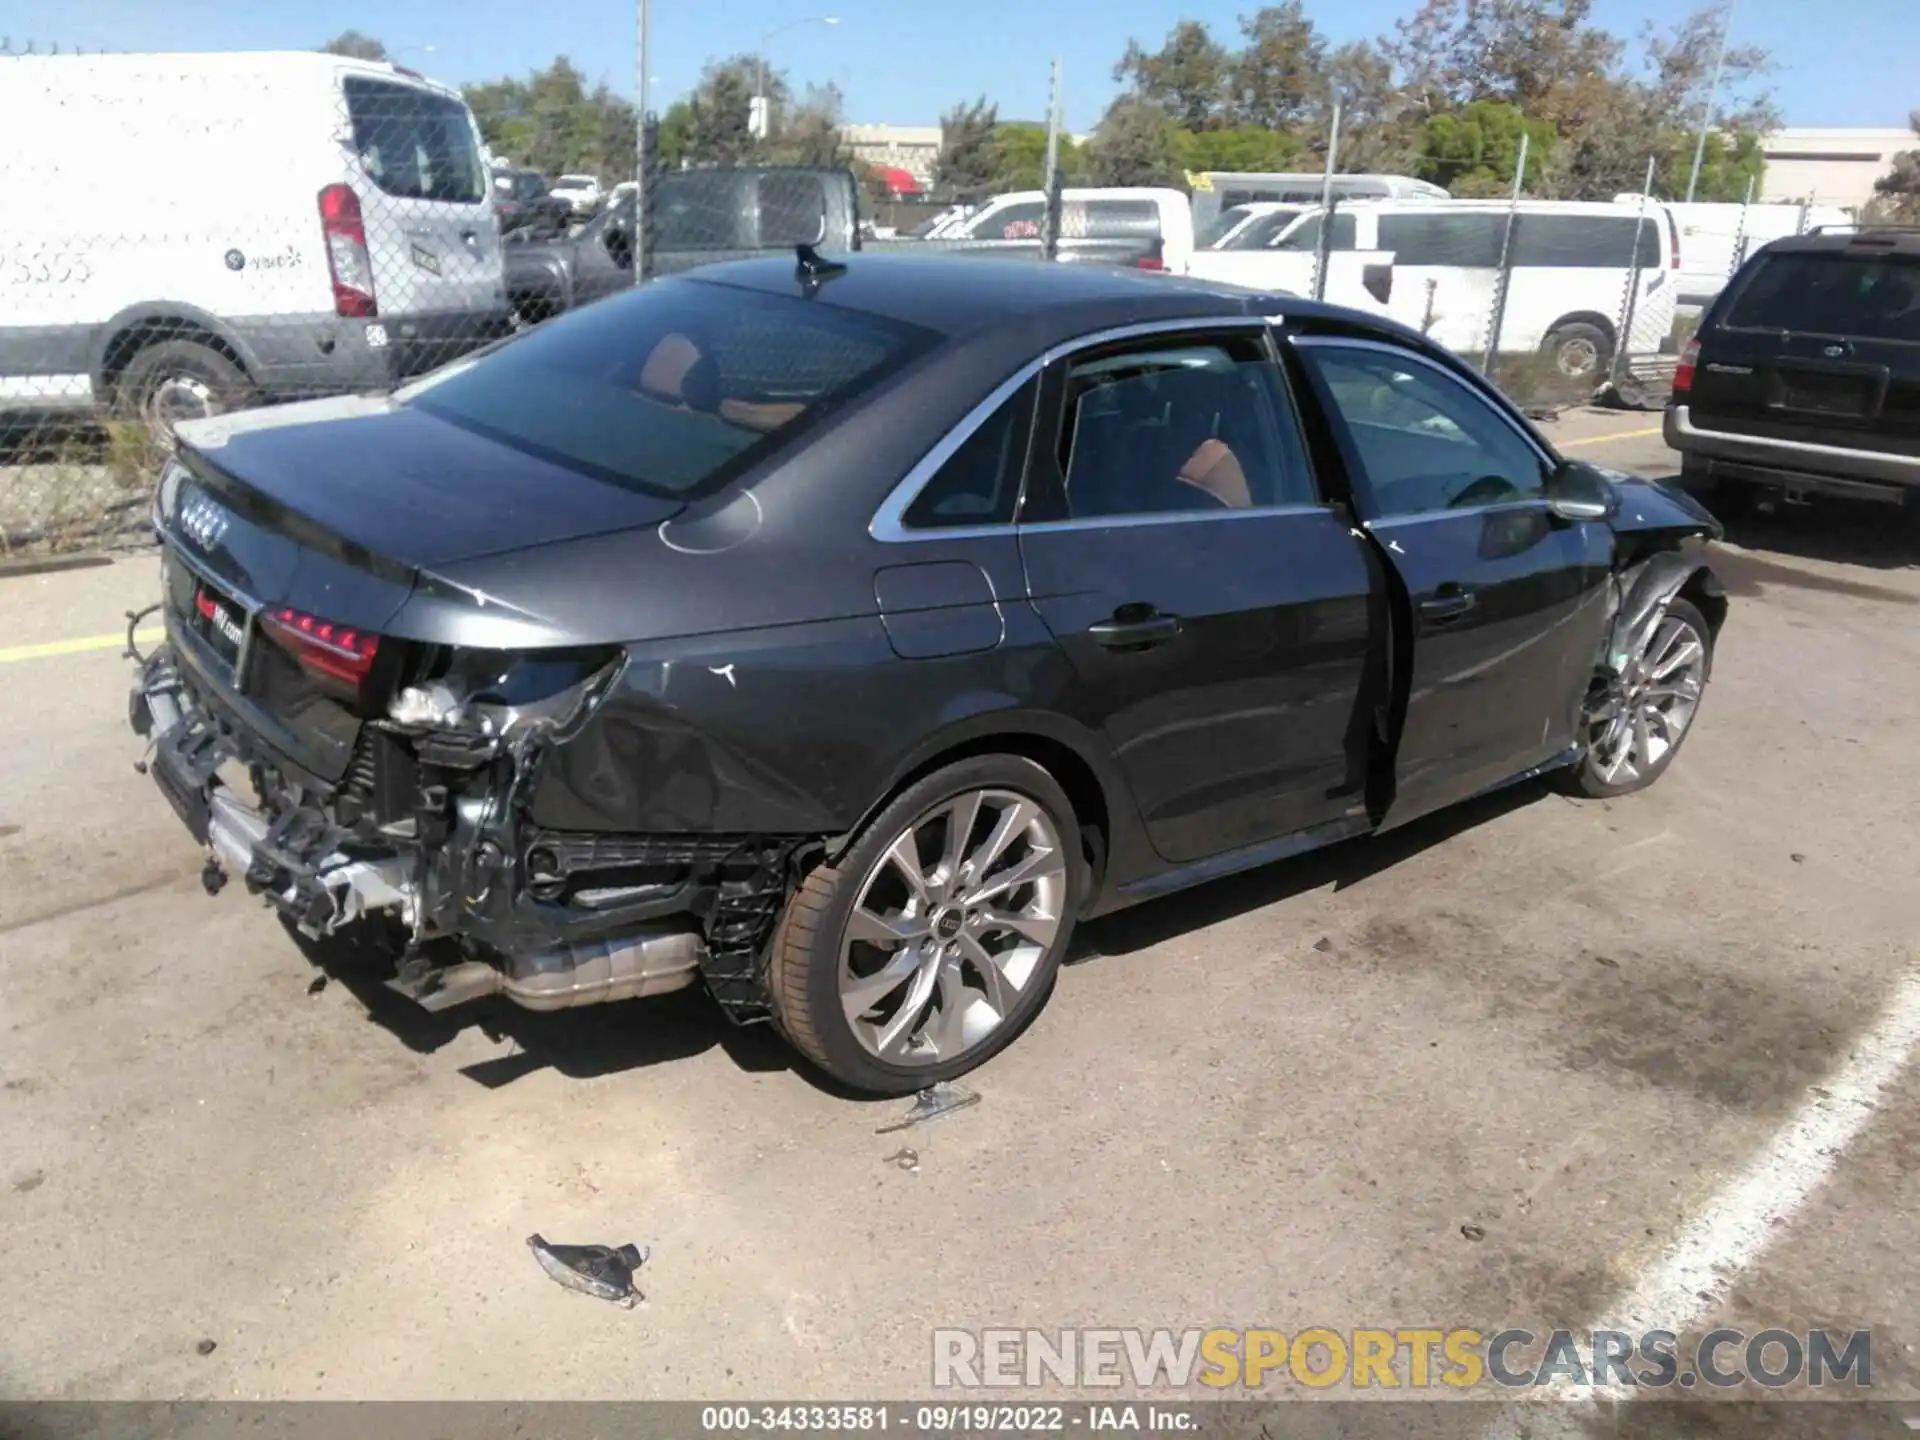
<point x="933" y="1103"/>
<point x="602" y="1271"/>
<point x="904" y="1159"/>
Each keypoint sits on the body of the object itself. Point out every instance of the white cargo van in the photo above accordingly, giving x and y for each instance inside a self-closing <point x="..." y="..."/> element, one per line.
<point x="196" y="232"/>
<point x="1091" y="213"/>
<point x="1716" y="239"/>
<point x="1435" y="265"/>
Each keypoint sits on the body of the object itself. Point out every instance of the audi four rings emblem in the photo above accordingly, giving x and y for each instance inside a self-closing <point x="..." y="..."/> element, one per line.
<point x="203" y="521"/>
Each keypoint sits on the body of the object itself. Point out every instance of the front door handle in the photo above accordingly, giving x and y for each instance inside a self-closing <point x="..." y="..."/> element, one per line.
<point x="1448" y="603"/>
<point x="1141" y="634"/>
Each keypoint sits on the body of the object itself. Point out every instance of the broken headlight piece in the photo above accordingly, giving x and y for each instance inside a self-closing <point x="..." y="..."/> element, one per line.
<point x="495" y="694"/>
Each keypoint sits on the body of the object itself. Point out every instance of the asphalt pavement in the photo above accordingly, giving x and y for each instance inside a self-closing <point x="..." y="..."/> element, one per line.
<point x="1535" y="1062"/>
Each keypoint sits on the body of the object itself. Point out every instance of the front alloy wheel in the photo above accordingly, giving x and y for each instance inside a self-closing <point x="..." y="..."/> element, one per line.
<point x="1636" y="728"/>
<point x="938" y="934"/>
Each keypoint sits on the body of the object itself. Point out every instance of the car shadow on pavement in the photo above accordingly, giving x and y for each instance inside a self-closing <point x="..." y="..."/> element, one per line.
<point x="581" y="1044"/>
<point x="1843" y="532"/>
<point x="1337" y="866"/>
<point x="601" y="1040"/>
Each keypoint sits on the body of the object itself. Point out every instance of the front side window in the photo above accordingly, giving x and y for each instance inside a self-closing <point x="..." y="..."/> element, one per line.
<point x="1179" y="427"/>
<point x="1306" y="236"/>
<point x="415" y="144"/>
<point x="1426" y="443"/>
<point x="672" y="388"/>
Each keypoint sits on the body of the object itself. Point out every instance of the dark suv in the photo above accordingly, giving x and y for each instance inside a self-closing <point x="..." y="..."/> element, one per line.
<point x="1805" y="376"/>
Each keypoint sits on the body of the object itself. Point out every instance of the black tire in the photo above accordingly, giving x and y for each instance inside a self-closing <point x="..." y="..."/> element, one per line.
<point x="150" y="379"/>
<point x="1587" y="778"/>
<point x="804" y="963"/>
<point x="1577" y="339"/>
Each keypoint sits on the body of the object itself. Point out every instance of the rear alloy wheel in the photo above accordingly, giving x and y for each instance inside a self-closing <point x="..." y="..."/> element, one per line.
<point x="1634" y="731"/>
<point x="1579" y="352"/>
<point x="937" y="937"/>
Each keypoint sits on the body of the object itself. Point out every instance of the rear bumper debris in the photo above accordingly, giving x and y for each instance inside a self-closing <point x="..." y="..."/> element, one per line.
<point x="548" y="920"/>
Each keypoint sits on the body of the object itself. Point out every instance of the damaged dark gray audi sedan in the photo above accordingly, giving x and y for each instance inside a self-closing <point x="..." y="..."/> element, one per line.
<point x="836" y="636"/>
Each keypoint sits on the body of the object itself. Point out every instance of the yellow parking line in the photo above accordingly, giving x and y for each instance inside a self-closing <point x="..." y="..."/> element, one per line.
<point x="1609" y="439"/>
<point x="79" y="647"/>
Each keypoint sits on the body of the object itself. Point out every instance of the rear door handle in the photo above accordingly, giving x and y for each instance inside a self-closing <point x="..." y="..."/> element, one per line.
<point x="1139" y="634"/>
<point x="1449" y="602"/>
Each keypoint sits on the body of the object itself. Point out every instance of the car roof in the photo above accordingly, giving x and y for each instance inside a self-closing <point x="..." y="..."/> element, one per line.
<point x="959" y="295"/>
<point x="1863" y="240"/>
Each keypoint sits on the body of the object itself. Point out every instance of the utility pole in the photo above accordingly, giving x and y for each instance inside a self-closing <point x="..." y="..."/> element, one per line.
<point x="1050" y="233"/>
<point x="1713" y="94"/>
<point x="641" y="167"/>
<point x="1323" y="252"/>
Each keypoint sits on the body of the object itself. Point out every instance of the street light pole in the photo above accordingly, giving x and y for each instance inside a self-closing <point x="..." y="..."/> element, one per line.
<point x="764" y="81"/>
<point x="1713" y="94"/>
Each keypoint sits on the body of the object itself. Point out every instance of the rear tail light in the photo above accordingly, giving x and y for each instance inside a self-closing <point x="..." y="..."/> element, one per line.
<point x="337" y="658"/>
<point x="1153" y="260"/>
<point x="1683" y="372"/>
<point x="347" y="257"/>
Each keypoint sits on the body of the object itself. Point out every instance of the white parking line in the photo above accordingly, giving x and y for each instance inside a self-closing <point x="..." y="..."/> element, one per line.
<point x="1753" y="1210"/>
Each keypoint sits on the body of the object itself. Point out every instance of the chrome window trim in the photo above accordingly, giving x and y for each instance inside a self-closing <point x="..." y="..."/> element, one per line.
<point x="888" y="523"/>
<point x="1171" y="517"/>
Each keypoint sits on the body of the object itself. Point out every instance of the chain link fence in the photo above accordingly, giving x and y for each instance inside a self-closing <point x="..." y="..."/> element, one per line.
<point x="212" y="233"/>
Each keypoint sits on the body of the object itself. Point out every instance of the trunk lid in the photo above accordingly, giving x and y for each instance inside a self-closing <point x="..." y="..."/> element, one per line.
<point x="334" y="510"/>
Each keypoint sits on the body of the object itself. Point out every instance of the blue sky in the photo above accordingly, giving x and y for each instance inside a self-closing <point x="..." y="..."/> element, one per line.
<point x="1845" y="62"/>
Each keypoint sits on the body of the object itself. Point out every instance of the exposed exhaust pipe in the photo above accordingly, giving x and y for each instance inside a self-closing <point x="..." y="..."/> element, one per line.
<point x="589" y="972"/>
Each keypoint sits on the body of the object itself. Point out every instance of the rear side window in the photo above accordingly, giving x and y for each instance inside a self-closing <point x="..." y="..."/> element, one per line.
<point x="673" y="388"/>
<point x="1109" y="219"/>
<point x="980" y="482"/>
<point x="793" y="210"/>
<point x="698" y="210"/>
<point x="1587" y="242"/>
<point x="1172" y="428"/>
<point x="1011" y="222"/>
<point x="415" y="145"/>
<point x="1874" y="298"/>
<point x="1467" y="240"/>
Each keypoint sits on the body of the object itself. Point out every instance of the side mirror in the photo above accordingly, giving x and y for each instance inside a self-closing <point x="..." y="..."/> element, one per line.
<point x="619" y="245"/>
<point x="1578" y="492"/>
<point x="1378" y="280"/>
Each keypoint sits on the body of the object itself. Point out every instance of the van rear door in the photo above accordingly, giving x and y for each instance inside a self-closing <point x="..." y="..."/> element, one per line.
<point x="430" y="227"/>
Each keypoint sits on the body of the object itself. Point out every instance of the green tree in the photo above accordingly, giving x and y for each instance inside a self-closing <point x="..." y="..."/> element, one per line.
<point x="1474" y="151"/>
<point x="1379" y="122"/>
<point x="969" y="162"/>
<point x="1246" y="147"/>
<point x="1022" y="151"/>
<point x="355" y="46"/>
<point x="1897" y="193"/>
<point x="1189" y="78"/>
<point x="810" y="132"/>
<point x="551" y="122"/>
<point x="717" y="123"/>
<point x="1135" y="143"/>
<point x="676" y="135"/>
<point x="1280" y="73"/>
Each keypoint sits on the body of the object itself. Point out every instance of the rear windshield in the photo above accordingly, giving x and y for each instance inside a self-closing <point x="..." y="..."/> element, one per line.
<point x="415" y="144"/>
<point x="671" y="389"/>
<point x="1872" y="297"/>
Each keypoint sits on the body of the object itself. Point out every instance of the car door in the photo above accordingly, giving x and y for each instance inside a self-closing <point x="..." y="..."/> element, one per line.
<point x="1503" y="602"/>
<point x="1216" y="611"/>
